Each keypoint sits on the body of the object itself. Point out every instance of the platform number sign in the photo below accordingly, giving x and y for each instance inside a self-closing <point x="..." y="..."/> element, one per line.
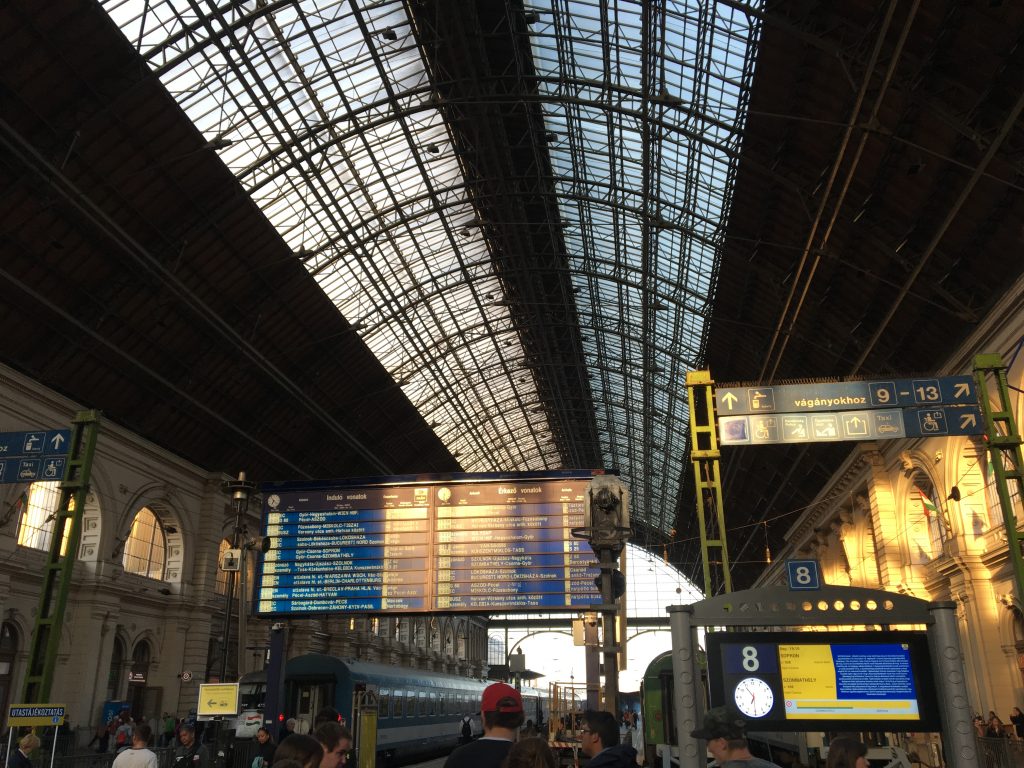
<point x="803" y="574"/>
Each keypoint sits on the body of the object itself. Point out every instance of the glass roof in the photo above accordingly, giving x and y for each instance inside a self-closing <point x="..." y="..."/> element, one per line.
<point x="326" y="114"/>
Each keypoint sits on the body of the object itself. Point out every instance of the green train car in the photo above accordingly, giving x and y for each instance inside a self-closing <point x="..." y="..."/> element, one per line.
<point x="656" y="703"/>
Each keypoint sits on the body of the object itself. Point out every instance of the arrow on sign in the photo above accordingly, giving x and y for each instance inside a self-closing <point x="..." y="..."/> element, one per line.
<point x="968" y="420"/>
<point x="962" y="389"/>
<point x="729" y="399"/>
<point x="56" y="441"/>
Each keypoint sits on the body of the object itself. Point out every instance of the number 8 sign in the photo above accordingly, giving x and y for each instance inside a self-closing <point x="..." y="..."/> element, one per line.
<point x="803" y="574"/>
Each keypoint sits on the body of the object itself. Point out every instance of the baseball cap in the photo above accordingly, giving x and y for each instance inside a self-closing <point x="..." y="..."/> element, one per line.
<point x="720" y="724"/>
<point x="499" y="697"/>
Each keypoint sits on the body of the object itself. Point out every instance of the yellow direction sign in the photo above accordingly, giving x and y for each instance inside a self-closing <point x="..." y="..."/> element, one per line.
<point x="216" y="699"/>
<point x="36" y="714"/>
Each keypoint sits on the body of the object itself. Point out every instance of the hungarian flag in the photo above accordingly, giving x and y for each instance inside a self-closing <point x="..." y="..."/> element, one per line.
<point x="926" y="503"/>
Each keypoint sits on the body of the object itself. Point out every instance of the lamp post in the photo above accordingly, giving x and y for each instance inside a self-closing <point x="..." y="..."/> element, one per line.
<point x="240" y="491"/>
<point x="606" y="528"/>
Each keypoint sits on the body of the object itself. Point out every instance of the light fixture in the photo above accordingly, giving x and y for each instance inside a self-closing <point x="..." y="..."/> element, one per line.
<point x="954" y="494"/>
<point x="389" y="34"/>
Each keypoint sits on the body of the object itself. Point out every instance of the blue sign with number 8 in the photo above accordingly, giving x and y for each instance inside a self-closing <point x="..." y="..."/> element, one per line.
<point x="803" y="574"/>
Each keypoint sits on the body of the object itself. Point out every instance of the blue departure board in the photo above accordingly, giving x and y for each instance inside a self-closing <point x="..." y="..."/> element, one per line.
<point x="468" y="542"/>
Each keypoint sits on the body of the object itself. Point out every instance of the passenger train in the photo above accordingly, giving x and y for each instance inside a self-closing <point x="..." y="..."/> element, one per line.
<point x="420" y="713"/>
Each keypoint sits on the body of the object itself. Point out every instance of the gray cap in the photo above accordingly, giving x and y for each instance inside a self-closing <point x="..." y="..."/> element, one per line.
<point x="719" y="723"/>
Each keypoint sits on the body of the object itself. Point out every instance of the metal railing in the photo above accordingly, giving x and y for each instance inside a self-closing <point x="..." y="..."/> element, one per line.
<point x="1000" y="753"/>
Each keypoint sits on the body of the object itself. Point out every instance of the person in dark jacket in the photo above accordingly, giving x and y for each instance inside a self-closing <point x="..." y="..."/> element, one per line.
<point x="599" y="740"/>
<point x="502" y="709"/>
<point x="26" y="745"/>
<point x="727" y="740"/>
<point x="264" y="750"/>
<point x="1017" y="718"/>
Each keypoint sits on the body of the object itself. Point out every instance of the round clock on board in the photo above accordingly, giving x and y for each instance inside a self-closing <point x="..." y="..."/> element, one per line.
<point x="753" y="697"/>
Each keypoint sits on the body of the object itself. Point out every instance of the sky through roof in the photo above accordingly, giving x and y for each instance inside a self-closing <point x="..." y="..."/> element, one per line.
<point x="326" y="114"/>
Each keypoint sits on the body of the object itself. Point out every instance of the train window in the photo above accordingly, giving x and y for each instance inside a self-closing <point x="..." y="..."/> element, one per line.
<point x="399" y="704"/>
<point x="410" y="705"/>
<point x="431" y="705"/>
<point x="384" y="704"/>
<point x="423" y="704"/>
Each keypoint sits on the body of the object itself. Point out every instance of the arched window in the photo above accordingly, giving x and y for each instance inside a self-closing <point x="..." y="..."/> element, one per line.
<point x="993" y="489"/>
<point x="38" y="508"/>
<point x="145" y="552"/>
<point x="927" y="527"/>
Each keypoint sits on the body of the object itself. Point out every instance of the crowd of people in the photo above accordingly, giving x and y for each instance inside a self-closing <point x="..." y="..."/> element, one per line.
<point x="992" y="727"/>
<point x="504" y="743"/>
<point x="117" y="733"/>
<point x="726" y="740"/>
<point x="327" y="746"/>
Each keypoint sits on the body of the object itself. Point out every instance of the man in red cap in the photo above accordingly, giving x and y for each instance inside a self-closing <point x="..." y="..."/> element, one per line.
<point x="502" y="709"/>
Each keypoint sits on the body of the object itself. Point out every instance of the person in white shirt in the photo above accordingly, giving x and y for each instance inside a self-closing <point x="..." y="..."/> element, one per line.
<point x="139" y="756"/>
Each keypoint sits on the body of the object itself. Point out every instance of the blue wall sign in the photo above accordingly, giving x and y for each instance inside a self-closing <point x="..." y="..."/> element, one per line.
<point x="846" y="396"/>
<point x="39" y="454"/>
<point x="803" y="575"/>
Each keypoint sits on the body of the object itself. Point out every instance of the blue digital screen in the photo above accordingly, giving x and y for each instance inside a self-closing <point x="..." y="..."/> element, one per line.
<point x="452" y="543"/>
<point x="793" y="681"/>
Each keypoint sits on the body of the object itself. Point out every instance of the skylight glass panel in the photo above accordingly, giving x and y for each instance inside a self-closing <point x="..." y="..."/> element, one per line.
<point x="321" y="110"/>
<point x="324" y="111"/>
<point x="647" y="160"/>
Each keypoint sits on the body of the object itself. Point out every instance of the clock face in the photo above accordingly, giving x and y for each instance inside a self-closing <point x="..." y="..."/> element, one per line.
<point x="754" y="697"/>
<point x="273" y="500"/>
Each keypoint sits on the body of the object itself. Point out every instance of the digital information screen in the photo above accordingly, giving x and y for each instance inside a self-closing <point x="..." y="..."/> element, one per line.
<point x="824" y="681"/>
<point x="468" y="542"/>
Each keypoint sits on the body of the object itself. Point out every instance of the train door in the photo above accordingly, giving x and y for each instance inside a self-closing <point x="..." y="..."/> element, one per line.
<point x="306" y="698"/>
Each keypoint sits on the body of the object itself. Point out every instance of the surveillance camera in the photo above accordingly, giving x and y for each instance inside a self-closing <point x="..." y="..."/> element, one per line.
<point x="277" y="626"/>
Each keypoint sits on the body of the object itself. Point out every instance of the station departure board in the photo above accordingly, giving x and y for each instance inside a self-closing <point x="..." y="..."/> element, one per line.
<point x="838" y="681"/>
<point x="468" y="542"/>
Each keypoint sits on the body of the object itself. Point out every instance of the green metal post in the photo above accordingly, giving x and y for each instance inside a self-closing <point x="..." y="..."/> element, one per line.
<point x="704" y="455"/>
<point x="1004" y="445"/>
<point x="67" y="529"/>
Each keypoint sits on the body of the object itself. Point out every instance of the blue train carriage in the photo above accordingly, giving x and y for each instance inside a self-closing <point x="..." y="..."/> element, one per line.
<point x="420" y="713"/>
